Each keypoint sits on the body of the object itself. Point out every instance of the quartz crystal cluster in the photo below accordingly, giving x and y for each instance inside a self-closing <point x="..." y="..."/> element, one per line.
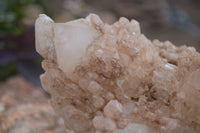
<point x="111" y="79"/>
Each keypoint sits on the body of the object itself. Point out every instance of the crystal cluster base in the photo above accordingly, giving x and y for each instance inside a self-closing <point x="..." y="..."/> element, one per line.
<point x="111" y="79"/>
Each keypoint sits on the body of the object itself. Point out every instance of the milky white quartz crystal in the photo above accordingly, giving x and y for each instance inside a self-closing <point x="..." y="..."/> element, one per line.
<point x="111" y="79"/>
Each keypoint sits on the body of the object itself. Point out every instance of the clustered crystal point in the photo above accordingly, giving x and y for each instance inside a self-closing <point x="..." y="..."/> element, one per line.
<point x="111" y="79"/>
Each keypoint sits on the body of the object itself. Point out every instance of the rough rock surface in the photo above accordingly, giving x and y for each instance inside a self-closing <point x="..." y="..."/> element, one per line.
<point x="111" y="79"/>
<point x="25" y="109"/>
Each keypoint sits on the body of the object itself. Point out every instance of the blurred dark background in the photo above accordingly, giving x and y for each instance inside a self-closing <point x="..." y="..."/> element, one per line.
<point x="174" y="20"/>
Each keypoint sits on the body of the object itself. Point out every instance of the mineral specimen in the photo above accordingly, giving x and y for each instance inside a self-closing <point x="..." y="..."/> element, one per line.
<point x="111" y="79"/>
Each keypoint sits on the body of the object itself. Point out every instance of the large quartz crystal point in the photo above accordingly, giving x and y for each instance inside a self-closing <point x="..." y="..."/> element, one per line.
<point x="71" y="42"/>
<point x="112" y="79"/>
<point x="44" y="33"/>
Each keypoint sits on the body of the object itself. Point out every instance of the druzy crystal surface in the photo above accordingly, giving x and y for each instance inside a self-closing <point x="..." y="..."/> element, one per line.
<point x="111" y="79"/>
